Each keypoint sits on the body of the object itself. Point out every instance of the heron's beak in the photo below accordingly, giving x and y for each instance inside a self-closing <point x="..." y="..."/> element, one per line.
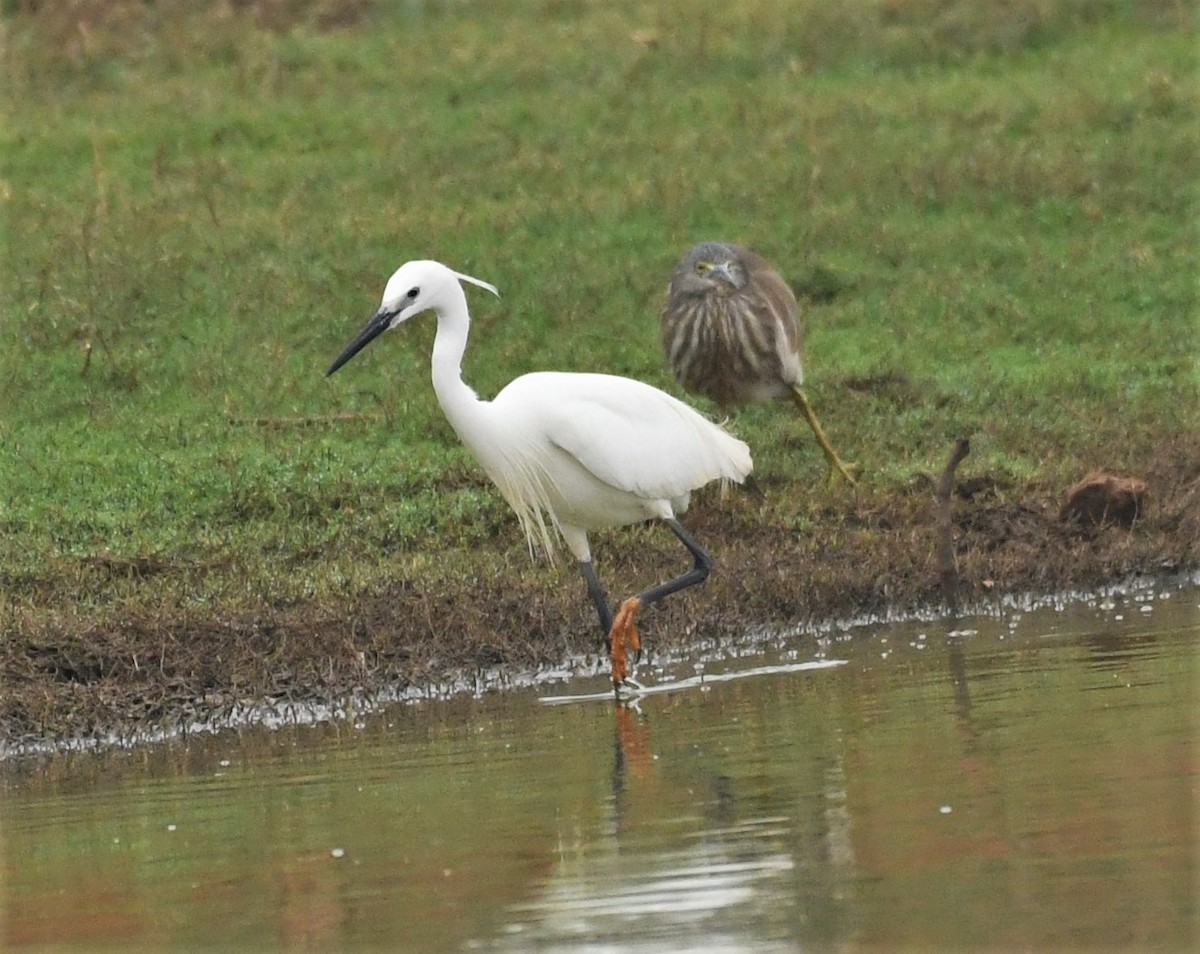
<point x="375" y="327"/>
<point x="725" y="270"/>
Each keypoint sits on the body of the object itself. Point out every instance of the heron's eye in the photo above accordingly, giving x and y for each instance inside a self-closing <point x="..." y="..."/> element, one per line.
<point x="703" y="268"/>
<point x="412" y="293"/>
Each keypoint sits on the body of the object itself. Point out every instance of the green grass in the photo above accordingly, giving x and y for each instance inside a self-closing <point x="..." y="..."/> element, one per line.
<point x="200" y="209"/>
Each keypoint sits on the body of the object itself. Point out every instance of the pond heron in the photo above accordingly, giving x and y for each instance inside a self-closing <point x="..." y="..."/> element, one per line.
<point x="589" y="450"/>
<point x="731" y="331"/>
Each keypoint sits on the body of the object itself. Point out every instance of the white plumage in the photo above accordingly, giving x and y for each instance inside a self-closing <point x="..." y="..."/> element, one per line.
<point x="589" y="450"/>
<point x="596" y="451"/>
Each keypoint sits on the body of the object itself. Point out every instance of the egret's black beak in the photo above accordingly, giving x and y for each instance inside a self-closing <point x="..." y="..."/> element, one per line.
<point x="375" y="327"/>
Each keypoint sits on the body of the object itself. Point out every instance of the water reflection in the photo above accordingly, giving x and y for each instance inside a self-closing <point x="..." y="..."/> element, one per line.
<point x="1024" y="780"/>
<point x="695" y="898"/>
<point x="687" y="860"/>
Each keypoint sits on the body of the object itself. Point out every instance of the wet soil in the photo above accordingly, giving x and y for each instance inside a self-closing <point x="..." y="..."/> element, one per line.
<point x="855" y="555"/>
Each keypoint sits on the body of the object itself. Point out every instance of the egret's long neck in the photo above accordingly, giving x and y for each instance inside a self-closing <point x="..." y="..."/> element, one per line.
<point x="460" y="404"/>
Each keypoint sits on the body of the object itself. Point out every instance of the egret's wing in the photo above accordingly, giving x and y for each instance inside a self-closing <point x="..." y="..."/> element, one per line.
<point x="635" y="437"/>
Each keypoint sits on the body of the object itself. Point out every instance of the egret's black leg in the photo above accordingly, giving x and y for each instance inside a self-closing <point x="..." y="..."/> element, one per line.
<point x="599" y="600"/>
<point x="624" y="636"/>
<point x="697" y="574"/>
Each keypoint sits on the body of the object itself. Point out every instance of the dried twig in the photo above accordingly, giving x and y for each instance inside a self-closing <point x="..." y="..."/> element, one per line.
<point x="947" y="565"/>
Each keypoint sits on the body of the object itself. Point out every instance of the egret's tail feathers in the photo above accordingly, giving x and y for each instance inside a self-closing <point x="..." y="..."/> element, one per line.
<point x="729" y="458"/>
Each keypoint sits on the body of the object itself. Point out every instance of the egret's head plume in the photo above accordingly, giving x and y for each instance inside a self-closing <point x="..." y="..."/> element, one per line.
<point x="482" y="284"/>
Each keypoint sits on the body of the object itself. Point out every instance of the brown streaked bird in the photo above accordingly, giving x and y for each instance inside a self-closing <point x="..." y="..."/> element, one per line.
<point x="731" y="331"/>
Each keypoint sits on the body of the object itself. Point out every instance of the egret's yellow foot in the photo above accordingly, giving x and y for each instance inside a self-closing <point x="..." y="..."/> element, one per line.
<point x="624" y="639"/>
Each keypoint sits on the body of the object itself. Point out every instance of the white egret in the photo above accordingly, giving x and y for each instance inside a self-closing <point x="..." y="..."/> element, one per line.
<point x="590" y="450"/>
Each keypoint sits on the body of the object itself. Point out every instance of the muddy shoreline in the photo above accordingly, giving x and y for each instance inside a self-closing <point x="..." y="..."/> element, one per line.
<point x="160" y="673"/>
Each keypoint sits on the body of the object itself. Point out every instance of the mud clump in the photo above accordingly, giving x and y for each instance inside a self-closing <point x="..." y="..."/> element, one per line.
<point x="1101" y="498"/>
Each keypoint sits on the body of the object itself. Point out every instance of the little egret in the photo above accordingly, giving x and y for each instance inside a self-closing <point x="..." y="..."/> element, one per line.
<point x="731" y="331"/>
<point x="590" y="450"/>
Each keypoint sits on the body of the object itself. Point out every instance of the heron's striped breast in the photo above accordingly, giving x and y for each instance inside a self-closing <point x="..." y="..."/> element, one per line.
<point x="724" y="347"/>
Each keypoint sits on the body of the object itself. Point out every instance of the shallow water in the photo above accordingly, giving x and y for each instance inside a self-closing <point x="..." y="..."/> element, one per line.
<point x="1025" y="779"/>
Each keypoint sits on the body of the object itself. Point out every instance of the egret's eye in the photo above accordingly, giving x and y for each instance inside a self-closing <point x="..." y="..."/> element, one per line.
<point x="412" y="293"/>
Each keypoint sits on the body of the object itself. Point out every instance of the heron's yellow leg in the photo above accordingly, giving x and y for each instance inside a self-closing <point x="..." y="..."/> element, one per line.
<point x="831" y="457"/>
<point x="624" y="638"/>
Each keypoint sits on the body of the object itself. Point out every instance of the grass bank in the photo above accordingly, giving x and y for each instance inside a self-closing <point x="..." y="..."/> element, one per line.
<point x="988" y="209"/>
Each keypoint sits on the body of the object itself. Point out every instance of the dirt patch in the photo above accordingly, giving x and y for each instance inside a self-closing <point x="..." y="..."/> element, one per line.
<point x="848" y="557"/>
